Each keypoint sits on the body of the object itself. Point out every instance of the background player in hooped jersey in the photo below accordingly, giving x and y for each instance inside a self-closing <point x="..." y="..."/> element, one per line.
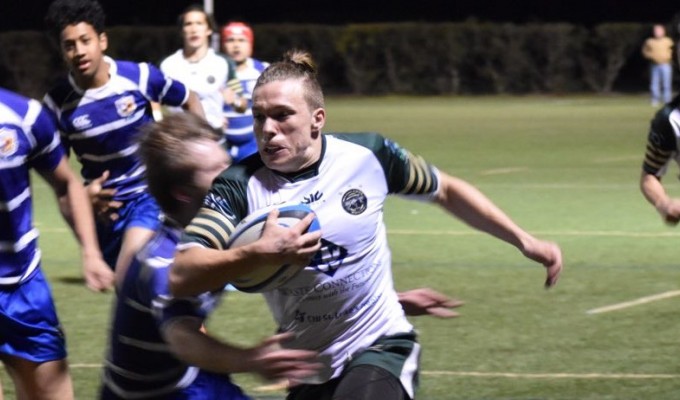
<point x="156" y="346"/>
<point x="100" y="107"/>
<point x="32" y="344"/>
<point x="237" y="43"/>
<point x="209" y="74"/>
<point x="343" y="304"/>
<point x="662" y="148"/>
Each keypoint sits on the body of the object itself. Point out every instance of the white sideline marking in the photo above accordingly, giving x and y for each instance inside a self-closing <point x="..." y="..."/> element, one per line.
<point x="505" y="374"/>
<point x="551" y="376"/>
<point x="550" y="233"/>
<point x="636" y="302"/>
<point x="508" y="170"/>
<point x="472" y="232"/>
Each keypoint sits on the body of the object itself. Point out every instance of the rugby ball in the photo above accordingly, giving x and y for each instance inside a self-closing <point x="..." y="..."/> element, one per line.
<point x="266" y="278"/>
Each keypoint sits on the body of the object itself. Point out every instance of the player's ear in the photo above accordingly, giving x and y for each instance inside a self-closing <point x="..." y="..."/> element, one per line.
<point x="179" y="194"/>
<point x="103" y="41"/>
<point x="318" y="120"/>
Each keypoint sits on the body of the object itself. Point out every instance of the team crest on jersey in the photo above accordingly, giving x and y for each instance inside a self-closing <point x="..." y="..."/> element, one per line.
<point x="211" y="79"/>
<point x="354" y="201"/>
<point x="9" y="142"/>
<point x="125" y="106"/>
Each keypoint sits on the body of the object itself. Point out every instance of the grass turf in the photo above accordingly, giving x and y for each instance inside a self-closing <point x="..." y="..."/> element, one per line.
<point x="566" y="169"/>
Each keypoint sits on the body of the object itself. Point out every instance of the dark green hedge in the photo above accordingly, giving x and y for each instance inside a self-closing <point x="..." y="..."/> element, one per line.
<point x="412" y="58"/>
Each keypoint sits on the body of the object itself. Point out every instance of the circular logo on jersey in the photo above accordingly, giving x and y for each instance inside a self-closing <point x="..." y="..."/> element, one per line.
<point x="9" y="142"/>
<point x="211" y="79"/>
<point x="354" y="201"/>
<point x="125" y="106"/>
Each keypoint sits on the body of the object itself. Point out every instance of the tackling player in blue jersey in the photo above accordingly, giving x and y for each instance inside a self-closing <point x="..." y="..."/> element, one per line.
<point x="154" y="338"/>
<point x="100" y="107"/>
<point x="32" y="344"/>
<point x="343" y="304"/>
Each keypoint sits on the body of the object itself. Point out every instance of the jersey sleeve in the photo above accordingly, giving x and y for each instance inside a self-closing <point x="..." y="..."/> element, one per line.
<point x="223" y="208"/>
<point x="405" y="172"/>
<point x="661" y="144"/>
<point x="42" y="126"/>
<point x="165" y="90"/>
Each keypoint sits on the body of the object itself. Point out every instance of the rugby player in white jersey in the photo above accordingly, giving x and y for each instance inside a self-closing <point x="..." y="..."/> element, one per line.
<point x="209" y="74"/>
<point x="343" y="305"/>
<point x="156" y="347"/>
<point x="100" y="107"/>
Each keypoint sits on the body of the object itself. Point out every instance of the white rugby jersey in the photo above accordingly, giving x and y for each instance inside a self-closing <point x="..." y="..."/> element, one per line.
<point x="28" y="139"/>
<point x="206" y="77"/>
<point x="344" y="300"/>
<point x="100" y="124"/>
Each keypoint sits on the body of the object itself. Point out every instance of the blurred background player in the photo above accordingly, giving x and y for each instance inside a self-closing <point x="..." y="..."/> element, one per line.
<point x="658" y="49"/>
<point x="100" y="107"/>
<point x="209" y="74"/>
<point x="237" y="43"/>
<point x="662" y="148"/>
<point x="33" y="347"/>
<point x="154" y="338"/>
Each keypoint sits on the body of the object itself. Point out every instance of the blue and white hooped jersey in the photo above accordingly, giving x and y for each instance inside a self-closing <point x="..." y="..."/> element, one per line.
<point x="240" y="129"/>
<point x="344" y="300"/>
<point x="28" y="139"/>
<point x="139" y="363"/>
<point x="100" y="124"/>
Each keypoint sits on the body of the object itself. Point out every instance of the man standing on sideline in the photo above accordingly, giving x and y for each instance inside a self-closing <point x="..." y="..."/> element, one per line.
<point x="658" y="49"/>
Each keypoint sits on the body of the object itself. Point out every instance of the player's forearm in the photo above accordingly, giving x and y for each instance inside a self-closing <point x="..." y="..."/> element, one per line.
<point x="193" y="105"/>
<point x="198" y="269"/>
<point x="652" y="189"/>
<point x="475" y="209"/>
<point x="194" y="347"/>
<point x="75" y="207"/>
<point x="78" y="211"/>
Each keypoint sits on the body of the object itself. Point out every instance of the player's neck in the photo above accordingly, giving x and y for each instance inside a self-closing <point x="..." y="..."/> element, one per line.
<point x="242" y="65"/>
<point x="195" y="54"/>
<point x="100" y="78"/>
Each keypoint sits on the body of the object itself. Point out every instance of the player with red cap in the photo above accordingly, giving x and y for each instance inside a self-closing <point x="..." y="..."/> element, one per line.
<point x="237" y="43"/>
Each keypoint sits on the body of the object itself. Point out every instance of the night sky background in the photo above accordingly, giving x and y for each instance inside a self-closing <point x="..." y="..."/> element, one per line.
<point x="28" y="14"/>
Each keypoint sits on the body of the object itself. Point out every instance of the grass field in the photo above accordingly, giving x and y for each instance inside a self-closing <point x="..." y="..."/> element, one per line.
<point x="566" y="169"/>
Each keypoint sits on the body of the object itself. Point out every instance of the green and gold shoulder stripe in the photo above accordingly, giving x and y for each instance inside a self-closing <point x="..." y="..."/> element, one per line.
<point x="210" y="228"/>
